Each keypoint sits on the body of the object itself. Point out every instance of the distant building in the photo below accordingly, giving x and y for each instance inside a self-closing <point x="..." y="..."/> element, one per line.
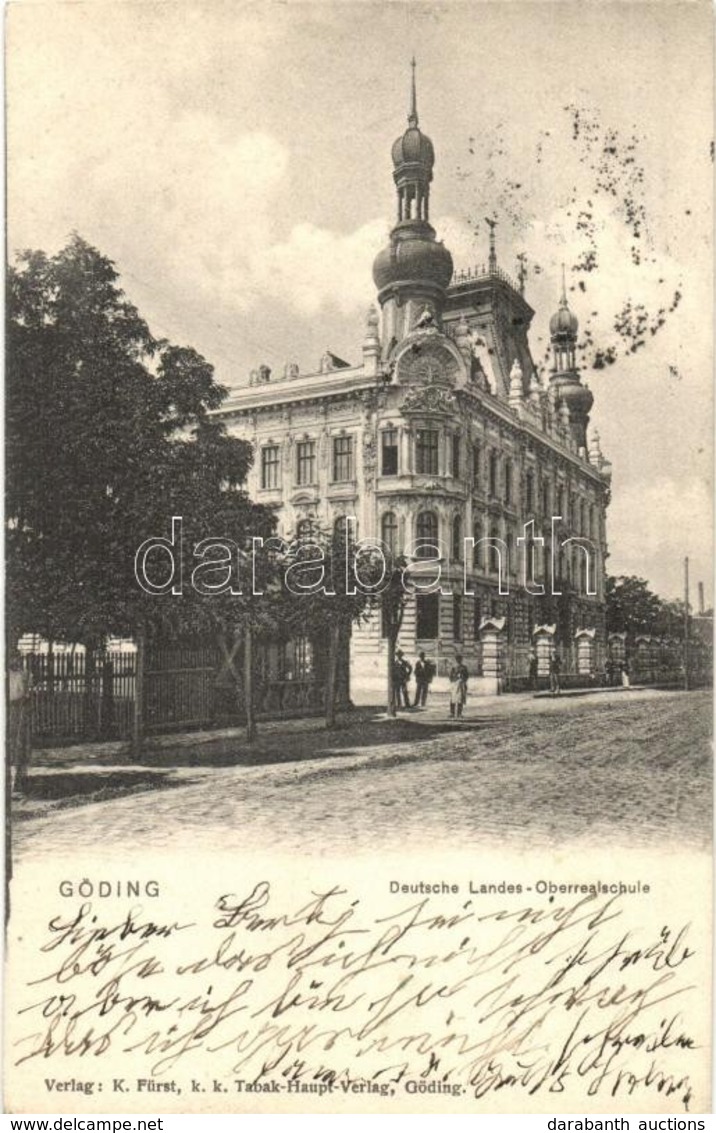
<point x="445" y="434"/>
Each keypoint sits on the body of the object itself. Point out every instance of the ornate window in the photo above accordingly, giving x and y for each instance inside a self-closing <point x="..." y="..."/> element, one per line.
<point x="493" y="473"/>
<point x="389" y="531"/>
<point x="508" y="481"/>
<point x="478" y="551"/>
<point x="427" y="536"/>
<point x="426" y="452"/>
<point x="545" y="497"/>
<point x="476" y="464"/>
<point x="427" y="616"/>
<point x="457" y="617"/>
<point x="456" y="548"/>
<point x="306" y="462"/>
<point x="389" y="452"/>
<point x="342" y="458"/>
<point x="529" y="493"/>
<point x="455" y="464"/>
<point x="511" y="564"/>
<point x="494" y="553"/>
<point x="270" y="466"/>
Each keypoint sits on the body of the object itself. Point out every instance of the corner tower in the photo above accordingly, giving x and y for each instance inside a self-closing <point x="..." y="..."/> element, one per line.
<point x="414" y="270"/>
<point x="574" y="397"/>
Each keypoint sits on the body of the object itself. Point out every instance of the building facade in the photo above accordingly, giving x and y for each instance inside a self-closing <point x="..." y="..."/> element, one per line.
<point x="444" y="444"/>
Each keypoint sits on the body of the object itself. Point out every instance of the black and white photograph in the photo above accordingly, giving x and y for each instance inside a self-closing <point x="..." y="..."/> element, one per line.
<point x="358" y="557"/>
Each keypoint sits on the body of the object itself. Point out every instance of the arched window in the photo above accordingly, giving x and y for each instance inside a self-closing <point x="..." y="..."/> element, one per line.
<point x="494" y="559"/>
<point x="582" y="518"/>
<point x="508" y="481"/>
<point x="455" y="456"/>
<point x="389" y="531"/>
<point x="530" y="492"/>
<point x="545" y="497"/>
<point x="478" y="551"/>
<point x="457" y="539"/>
<point x="476" y="464"/>
<point x="592" y="525"/>
<point x="427" y="535"/>
<point x="493" y="473"/>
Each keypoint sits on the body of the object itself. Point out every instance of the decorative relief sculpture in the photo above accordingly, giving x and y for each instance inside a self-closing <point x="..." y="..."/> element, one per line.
<point x="426" y="320"/>
<point x="429" y="399"/>
<point x="427" y="363"/>
<point x="370" y="456"/>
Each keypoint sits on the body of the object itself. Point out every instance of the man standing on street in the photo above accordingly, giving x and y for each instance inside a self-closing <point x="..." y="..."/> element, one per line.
<point x="401" y="676"/>
<point x="424" y="673"/>
<point x="555" y="666"/>
<point x="458" y="686"/>
<point x="532" y="659"/>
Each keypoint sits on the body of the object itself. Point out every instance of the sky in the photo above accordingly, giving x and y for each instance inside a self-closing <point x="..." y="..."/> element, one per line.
<point x="234" y="161"/>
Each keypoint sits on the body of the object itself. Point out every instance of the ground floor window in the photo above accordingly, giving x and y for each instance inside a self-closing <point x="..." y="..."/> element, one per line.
<point x="428" y="610"/>
<point x="457" y="617"/>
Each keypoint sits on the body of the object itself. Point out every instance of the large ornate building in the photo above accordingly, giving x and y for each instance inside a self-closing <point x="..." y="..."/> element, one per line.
<point x="444" y="444"/>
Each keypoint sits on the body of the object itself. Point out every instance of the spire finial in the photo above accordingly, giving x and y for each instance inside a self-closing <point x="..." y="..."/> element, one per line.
<point x="413" y="114"/>
<point x="564" y="288"/>
<point x="492" y="225"/>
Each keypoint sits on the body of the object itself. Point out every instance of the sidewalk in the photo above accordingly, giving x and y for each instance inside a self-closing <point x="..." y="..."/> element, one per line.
<point x="213" y="742"/>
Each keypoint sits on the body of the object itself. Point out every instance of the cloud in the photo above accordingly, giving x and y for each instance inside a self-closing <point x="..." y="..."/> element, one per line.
<point x="653" y="526"/>
<point x="316" y="268"/>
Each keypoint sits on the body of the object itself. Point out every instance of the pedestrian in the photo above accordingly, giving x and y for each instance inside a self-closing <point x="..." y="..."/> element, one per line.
<point x="625" y="674"/>
<point x="401" y="675"/>
<point x="458" y="686"/>
<point x="532" y="659"/>
<point x="424" y="673"/>
<point x="555" y="666"/>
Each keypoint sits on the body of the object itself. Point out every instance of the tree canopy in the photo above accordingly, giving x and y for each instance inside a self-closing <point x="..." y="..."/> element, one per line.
<point x="633" y="608"/>
<point x="109" y="434"/>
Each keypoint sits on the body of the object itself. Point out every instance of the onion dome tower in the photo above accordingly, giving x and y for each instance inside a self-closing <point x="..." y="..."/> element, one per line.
<point x="565" y="381"/>
<point x="414" y="270"/>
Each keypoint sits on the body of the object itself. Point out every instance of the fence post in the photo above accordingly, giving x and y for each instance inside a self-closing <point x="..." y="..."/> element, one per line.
<point x="249" y="683"/>
<point x="138" y="721"/>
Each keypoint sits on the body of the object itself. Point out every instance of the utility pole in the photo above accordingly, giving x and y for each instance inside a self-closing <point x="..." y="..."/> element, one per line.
<point x="686" y="624"/>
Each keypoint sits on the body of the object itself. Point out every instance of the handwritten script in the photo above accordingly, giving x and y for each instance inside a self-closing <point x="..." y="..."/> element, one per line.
<point x="326" y="993"/>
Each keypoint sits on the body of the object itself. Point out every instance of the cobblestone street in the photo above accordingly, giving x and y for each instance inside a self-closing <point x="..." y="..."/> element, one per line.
<point x="631" y="767"/>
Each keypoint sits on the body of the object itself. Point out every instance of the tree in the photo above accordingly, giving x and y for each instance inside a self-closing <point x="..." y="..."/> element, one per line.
<point x="632" y="608"/>
<point x="328" y="585"/>
<point x="109" y="434"/>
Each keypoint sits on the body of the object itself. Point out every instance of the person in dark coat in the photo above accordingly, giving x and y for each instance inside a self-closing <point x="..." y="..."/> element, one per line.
<point x="533" y="669"/>
<point x="458" y="686"/>
<point x="401" y="675"/>
<point x="424" y="673"/>
<point x="555" y="668"/>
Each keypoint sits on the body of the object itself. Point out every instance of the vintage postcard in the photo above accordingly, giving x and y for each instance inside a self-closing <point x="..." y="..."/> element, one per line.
<point x="359" y="582"/>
